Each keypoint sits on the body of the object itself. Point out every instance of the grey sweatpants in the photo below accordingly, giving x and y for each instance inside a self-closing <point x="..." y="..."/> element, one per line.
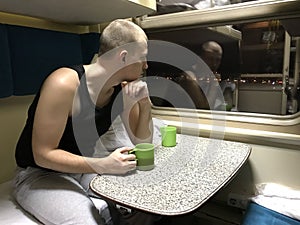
<point x="59" y="198"/>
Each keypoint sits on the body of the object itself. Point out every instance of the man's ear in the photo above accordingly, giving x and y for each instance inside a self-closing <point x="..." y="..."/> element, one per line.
<point x="123" y="55"/>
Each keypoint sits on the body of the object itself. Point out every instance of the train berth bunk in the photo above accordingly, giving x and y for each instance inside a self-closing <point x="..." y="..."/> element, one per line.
<point x="274" y="204"/>
<point x="257" y="214"/>
<point x="10" y="212"/>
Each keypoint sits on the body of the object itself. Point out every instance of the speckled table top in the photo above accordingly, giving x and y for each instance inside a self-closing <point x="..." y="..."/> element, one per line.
<point x="184" y="176"/>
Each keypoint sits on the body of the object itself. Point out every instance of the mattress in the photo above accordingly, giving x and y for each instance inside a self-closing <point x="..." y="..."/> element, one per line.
<point x="10" y="212"/>
<point x="274" y="204"/>
<point x="257" y="214"/>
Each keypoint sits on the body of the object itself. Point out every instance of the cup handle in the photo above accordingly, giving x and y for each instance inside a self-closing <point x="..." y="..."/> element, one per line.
<point x="132" y="151"/>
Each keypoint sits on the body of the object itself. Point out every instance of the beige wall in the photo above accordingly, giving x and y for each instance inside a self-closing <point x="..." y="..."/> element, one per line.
<point x="13" y="112"/>
<point x="265" y="165"/>
<point x="275" y="154"/>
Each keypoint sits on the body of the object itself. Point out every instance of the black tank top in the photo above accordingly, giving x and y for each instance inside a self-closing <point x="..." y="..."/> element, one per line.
<point x="81" y="131"/>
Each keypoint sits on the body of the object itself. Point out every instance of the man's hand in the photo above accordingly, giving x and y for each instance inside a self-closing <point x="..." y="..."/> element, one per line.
<point x="136" y="115"/>
<point x="136" y="92"/>
<point x="118" y="162"/>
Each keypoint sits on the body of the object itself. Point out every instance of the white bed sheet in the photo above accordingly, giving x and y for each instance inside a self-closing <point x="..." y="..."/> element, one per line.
<point x="10" y="212"/>
<point x="279" y="198"/>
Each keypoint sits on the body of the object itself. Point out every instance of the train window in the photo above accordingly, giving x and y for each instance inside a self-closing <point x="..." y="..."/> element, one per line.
<point x="250" y="65"/>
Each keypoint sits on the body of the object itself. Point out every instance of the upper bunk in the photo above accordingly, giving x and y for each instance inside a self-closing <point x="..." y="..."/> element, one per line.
<point x="247" y="11"/>
<point x="95" y="12"/>
<point x="79" y="12"/>
<point x="87" y="16"/>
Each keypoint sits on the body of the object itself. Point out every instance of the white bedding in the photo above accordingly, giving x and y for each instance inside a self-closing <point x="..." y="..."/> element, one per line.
<point x="10" y="212"/>
<point x="279" y="198"/>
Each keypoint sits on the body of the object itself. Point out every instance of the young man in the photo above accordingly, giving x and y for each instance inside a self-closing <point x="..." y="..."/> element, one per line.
<point x="212" y="53"/>
<point x="73" y="108"/>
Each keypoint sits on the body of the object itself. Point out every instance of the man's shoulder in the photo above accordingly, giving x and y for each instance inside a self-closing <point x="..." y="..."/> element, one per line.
<point x="63" y="79"/>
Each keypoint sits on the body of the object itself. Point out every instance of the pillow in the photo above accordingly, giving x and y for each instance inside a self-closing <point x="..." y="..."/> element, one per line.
<point x="279" y="198"/>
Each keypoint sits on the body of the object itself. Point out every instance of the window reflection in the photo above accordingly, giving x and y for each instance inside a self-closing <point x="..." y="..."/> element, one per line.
<point x="259" y="69"/>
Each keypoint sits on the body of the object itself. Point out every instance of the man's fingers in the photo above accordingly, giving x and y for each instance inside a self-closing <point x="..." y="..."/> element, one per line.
<point x="124" y="149"/>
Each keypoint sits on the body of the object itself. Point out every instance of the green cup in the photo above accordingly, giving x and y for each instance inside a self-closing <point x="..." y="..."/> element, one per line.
<point x="144" y="153"/>
<point x="168" y="136"/>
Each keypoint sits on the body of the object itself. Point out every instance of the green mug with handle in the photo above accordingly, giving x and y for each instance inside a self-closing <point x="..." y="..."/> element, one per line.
<point x="144" y="153"/>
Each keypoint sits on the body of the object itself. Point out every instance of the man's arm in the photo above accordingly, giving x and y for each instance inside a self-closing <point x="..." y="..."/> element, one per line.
<point x="137" y="116"/>
<point x="54" y="107"/>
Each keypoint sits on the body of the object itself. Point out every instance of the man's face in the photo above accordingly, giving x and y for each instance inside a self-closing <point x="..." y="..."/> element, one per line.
<point x="137" y="60"/>
<point x="212" y="59"/>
